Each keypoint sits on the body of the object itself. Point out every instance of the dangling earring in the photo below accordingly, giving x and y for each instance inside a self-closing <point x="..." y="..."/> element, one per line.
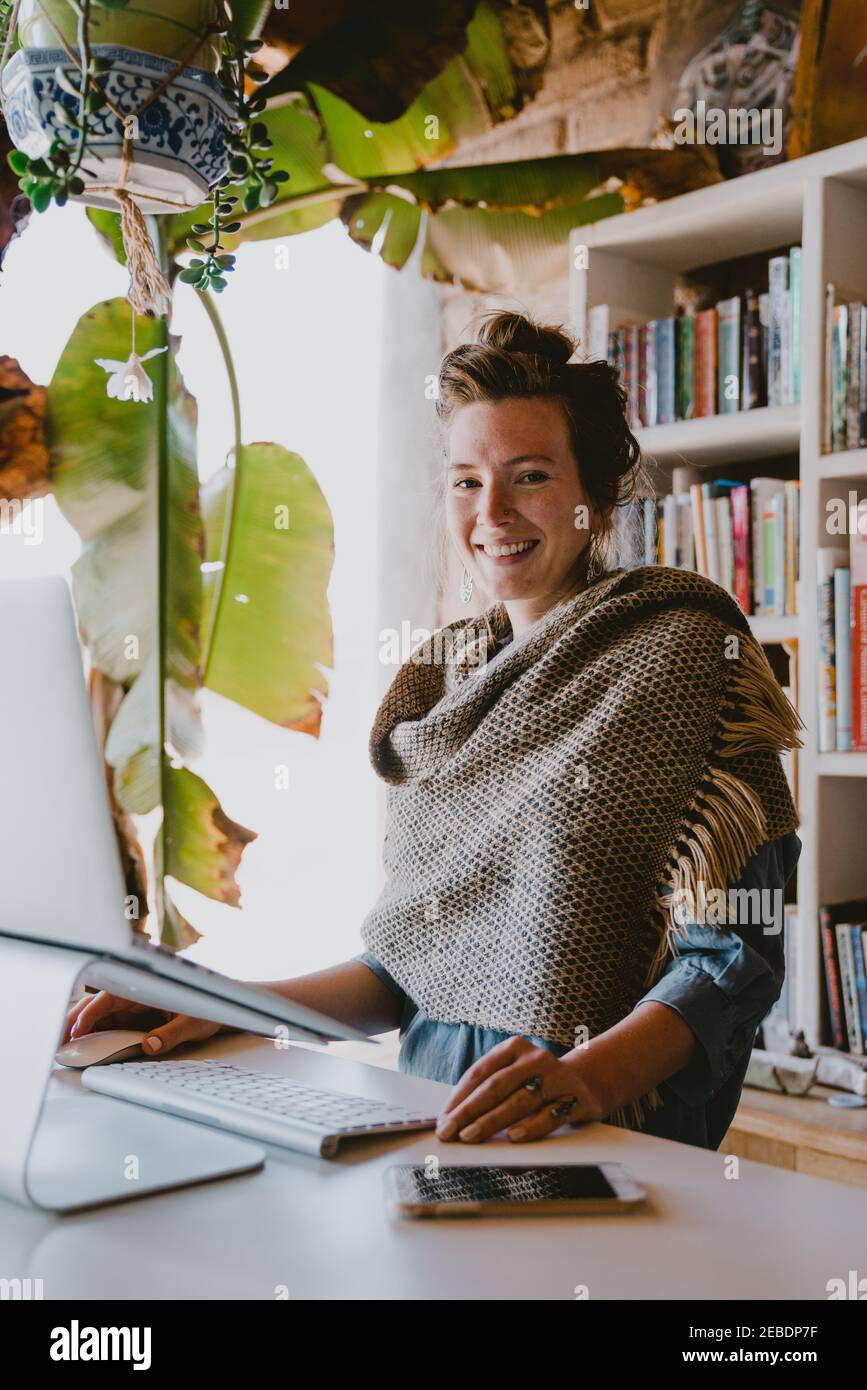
<point x="595" y="562"/>
<point x="467" y="586"/>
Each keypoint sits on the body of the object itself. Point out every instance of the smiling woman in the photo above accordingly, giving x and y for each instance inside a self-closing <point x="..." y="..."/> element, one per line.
<point x="545" y="814"/>
<point x="539" y="459"/>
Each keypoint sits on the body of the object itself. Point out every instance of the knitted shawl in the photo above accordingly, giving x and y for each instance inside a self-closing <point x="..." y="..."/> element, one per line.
<point x="541" y="813"/>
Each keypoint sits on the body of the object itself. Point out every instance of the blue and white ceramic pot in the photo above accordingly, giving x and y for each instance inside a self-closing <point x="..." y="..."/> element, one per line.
<point x="178" y="142"/>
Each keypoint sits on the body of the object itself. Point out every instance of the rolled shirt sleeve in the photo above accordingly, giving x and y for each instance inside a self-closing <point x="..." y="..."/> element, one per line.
<point x="370" y="960"/>
<point x="724" y="979"/>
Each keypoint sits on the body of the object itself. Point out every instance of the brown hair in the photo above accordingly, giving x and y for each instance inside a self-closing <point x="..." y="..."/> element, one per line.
<point x="513" y="356"/>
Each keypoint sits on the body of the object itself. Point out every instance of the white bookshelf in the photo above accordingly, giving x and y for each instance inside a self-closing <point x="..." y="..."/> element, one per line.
<point x="632" y="264"/>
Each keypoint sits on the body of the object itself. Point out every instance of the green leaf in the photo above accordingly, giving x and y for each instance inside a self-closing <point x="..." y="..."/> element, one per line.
<point x="249" y="16"/>
<point x="271" y="641"/>
<point x="18" y="161"/>
<point x="207" y="853"/>
<point x="388" y="224"/>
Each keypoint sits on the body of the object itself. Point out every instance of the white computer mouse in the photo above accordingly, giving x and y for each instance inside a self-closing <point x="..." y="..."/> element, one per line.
<point x="95" y="1049"/>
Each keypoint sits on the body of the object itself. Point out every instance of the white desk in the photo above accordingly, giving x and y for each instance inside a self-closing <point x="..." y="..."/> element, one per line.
<point x="320" y="1228"/>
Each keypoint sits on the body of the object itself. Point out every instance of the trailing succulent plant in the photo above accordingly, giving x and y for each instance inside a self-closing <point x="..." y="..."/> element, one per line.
<point x="55" y="176"/>
<point x="250" y="167"/>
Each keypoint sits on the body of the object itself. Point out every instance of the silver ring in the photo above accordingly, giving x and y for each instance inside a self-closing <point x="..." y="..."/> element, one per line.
<point x="534" y="1084"/>
<point x="562" y="1108"/>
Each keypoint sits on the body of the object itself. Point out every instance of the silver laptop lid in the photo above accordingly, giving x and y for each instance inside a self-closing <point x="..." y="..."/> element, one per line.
<point x="60" y="874"/>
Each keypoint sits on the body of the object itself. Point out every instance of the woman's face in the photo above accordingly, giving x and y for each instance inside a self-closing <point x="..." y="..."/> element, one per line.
<point x="513" y="481"/>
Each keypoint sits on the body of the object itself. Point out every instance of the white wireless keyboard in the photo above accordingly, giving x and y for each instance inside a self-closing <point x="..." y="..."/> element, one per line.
<point x="273" y="1109"/>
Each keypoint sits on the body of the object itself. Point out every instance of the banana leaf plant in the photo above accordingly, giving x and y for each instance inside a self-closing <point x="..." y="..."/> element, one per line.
<point x="181" y="587"/>
<point x="358" y="115"/>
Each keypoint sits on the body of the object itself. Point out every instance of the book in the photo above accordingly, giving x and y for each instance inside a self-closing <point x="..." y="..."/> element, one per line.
<point x="685" y="365"/>
<point x="761" y="492"/>
<point x="599" y="328"/>
<point x="649" y="531"/>
<point x="857" y="324"/>
<point x="778" y="330"/>
<point x="647" y="373"/>
<point x="829" y="915"/>
<point x="839" y="364"/>
<point x="753" y="390"/>
<point x="765" y="332"/>
<point x="793" y="540"/>
<point x="828" y="371"/>
<point x="666" y="374"/>
<point x="725" y="545"/>
<point x="631" y="369"/>
<point x="705" y="362"/>
<point x="698" y="528"/>
<point x="773" y="520"/>
<point x="842" y="658"/>
<point x="858" y="624"/>
<point x="740" y="504"/>
<point x="795" y="319"/>
<point x="728" y="355"/>
<point x="849" y="987"/>
<point x="859" y="961"/>
<point x="711" y="538"/>
<point x="828" y="558"/>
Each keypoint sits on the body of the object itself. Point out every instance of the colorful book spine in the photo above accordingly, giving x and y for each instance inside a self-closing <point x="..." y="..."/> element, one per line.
<point x="647" y="373"/>
<point x="793" y="511"/>
<point x="684" y="531"/>
<point x="685" y="366"/>
<point x="705" y="362"/>
<point x="858" y="625"/>
<point x="649" y="531"/>
<point x="728" y="355"/>
<point x="740" y="500"/>
<point x="632" y="369"/>
<point x="849" y="987"/>
<point x="725" y="546"/>
<point x="711" y="538"/>
<point x="843" y="658"/>
<point x="698" y="528"/>
<point x="856" y="935"/>
<point x="666" y="372"/>
<point x="839" y="364"/>
<point x="828" y="558"/>
<point x="599" y="325"/>
<point x="778" y="288"/>
<point x="828" y="373"/>
<point x="765" y="330"/>
<point x="862" y="381"/>
<point x="832" y="978"/>
<point x="795" y="316"/>
<point x="857" y="317"/>
<point x="753" y="371"/>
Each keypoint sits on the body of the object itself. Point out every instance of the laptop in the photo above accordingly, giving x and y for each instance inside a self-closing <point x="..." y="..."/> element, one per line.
<point x="62" y="887"/>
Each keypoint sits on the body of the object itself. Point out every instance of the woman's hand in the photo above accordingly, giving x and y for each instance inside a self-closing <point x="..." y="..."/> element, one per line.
<point x="96" y="1013"/>
<point x="492" y="1094"/>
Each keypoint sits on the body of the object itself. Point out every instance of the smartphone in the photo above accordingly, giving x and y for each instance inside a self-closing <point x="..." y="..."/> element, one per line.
<point x="561" y="1189"/>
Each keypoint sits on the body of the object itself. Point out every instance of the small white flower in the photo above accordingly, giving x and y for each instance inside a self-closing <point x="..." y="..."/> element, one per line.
<point x="128" y="380"/>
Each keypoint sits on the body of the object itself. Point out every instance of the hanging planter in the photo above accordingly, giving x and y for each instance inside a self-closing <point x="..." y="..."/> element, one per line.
<point x="156" y="66"/>
<point x="140" y="106"/>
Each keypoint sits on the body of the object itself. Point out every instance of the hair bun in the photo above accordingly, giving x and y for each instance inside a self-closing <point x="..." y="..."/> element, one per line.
<point x="511" y="332"/>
